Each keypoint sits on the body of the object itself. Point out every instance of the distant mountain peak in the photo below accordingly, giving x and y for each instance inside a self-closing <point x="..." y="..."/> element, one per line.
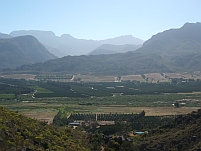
<point x="173" y="50"/>
<point x="68" y="45"/>
<point x="31" y="32"/>
<point x="191" y="24"/>
<point x="66" y="36"/>
<point x="113" y="49"/>
<point x="5" y="36"/>
<point x="187" y="31"/>
<point x="122" y="40"/>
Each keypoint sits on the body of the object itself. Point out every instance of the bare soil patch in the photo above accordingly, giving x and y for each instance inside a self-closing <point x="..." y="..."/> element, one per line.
<point x="149" y="111"/>
<point x="86" y="78"/>
<point x="40" y="115"/>
<point x="173" y="75"/>
<point x="161" y="111"/>
<point x="155" y="77"/>
<point x="132" y="78"/>
<point x="20" y="76"/>
<point x="105" y="122"/>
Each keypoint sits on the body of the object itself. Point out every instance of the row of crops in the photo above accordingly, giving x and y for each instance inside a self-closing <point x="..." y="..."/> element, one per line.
<point x="98" y="89"/>
<point x="80" y="89"/>
<point x="46" y="77"/>
<point x="105" y="117"/>
<point x="14" y="87"/>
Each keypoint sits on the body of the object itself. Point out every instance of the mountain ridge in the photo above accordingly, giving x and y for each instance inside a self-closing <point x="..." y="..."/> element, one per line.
<point x="170" y="51"/>
<point x="5" y="36"/>
<point x="69" y="45"/>
<point x="22" y="50"/>
<point x="174" y="44"/>
<point x="112" y="49"/>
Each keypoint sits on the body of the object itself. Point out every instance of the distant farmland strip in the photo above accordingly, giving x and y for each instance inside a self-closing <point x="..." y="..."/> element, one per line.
<point x="105" y="117"/>
<point x="155" y="77"/>
<point x="132" y="78"/>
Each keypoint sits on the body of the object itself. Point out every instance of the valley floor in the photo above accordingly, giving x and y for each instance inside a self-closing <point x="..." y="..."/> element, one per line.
<point x="150" y="111"/>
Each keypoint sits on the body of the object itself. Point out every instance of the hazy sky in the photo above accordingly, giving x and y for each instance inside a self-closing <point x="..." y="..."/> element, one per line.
<point x="98" y="19"/>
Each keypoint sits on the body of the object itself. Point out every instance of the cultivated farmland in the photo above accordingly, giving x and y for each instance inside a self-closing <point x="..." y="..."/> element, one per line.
<point x="20" y="76"/>
<point x="41" y="99"/>
<point x="155" y="77"/>
<point x="132" y="78"/>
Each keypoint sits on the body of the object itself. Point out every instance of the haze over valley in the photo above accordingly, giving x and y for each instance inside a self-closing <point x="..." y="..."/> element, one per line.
<point x="100" y="75"/>
<point x="173" y="50"/>
<point x="68" y="45"/>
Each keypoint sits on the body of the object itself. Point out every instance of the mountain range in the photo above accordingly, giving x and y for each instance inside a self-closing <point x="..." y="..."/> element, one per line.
<point x="181" y="47"/>
<point x="21" y="50"/>
<point x="68" y="45"/>
<point x="65" y="42"/>
<point x="174" y="50"/>
<point x="113" y="49"/>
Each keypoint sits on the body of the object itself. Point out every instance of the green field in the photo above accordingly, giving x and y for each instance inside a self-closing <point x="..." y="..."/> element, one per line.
<point x="43" y="99"/>
<point x="103" y="89"/>
<point x="7" y="96"/>
<point x="41" y="90"/>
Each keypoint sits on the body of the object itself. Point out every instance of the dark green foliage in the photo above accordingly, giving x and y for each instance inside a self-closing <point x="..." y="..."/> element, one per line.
<point x="107" y="129"/>
<point x="12" y="89"/>
<point x="128" y="146"/>
<point x="113" y="145"/>
<point x="58" y="90"/>
<point x="117" y="64"/>
<point x="97" y="140"/>
<point x="15" y="87"/>
<point x="17" y="82"/>
<point x="125" y="93"/>
<point x="61" y="118"/>
<point x="105" y="117"/>
<point x="181" y="133"/>
<point x="125" y="146"/>
<point x="74" y="89"/>
<point x="139" y="124"/>
<point x="150" y="122"/>
<point x="18" y="132"/>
